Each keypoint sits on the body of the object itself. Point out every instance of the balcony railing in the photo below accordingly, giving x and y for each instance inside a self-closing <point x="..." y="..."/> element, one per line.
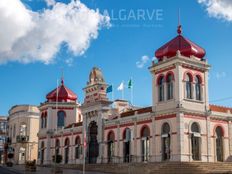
<point x="22" y="139"/>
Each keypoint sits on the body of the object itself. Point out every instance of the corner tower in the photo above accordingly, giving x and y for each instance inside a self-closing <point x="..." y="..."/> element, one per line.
<point x="180" y="78"/>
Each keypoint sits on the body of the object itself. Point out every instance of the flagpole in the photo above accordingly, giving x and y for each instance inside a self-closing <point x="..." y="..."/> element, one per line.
<point x="132" y="86"/>
<point x="123" y="90"/>
<point x="112" y="93"/>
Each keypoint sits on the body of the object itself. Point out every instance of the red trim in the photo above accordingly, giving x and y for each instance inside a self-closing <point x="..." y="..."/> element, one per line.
<point x="219" y="121"/>
<point x="167" y="69"/>
<point x="142" y="128"/>
<point x="77" y="133"/>
<point x="63" y="108"/>
<point x="165" y="117"/>
<point x="128" y="124"/>
<point x="159" y="77"/>
<point x="190" y="74"/>
<point x="124" y="133"/>
<point x="144" y="122"/>
<point x="191" y="68"/>
<point x="214" y="129"/>
<point x="41" y="138"/>
<point x="198" y="117"/>
<point x="200" y="77"/>
<point x="170" y="73"/>
<point x="108" y="135"/>
<point x="110" y="127"/>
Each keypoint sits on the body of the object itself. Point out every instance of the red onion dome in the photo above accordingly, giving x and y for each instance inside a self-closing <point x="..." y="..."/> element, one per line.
<point x="64" y="94"/>
<point x="186" y="47"/>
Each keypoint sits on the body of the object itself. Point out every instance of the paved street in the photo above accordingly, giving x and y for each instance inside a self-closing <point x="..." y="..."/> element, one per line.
<point x="40" y="170"/>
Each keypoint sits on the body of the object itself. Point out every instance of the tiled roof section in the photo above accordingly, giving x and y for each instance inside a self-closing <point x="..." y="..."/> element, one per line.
<point x="217" y="108"/>
<point x="74" y="125"/>
<point x="139" y="111"/>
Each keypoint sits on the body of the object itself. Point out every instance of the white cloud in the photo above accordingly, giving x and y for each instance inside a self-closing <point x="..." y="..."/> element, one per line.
<point x="50" y="2"/>
<point x="220" y="75"/>
<point x="141" y="63"/>
<point x="28" y="36"/>
<point x="221" y="9"/>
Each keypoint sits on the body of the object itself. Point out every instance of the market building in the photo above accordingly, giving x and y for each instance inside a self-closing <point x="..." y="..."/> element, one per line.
<point x="180" y="125"/>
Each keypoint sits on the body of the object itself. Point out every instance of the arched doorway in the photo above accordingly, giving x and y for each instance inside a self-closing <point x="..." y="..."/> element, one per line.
<point x="145" y="143"/>
<point x="66" y="150"/>
<point x="93" y="144"/>
<point x="126" y="145"/>
<point x="110" y="146"/>
<point x="166" y="141"/>
<point x="22" y="154"/>
<point x="219" y="143"/>
<point x="195" y="141"/>
<point x="42" y="153"/>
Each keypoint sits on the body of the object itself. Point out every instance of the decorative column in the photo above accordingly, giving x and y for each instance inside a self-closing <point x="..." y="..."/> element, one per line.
<point x="180" y="138"/>
<point x="209" y="155"/>
<point x="135" y="140"/>
<point x="118" y="140"/>
<point x="230" y="137"/>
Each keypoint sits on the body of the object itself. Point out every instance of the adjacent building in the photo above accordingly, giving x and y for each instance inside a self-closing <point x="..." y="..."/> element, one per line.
<point x="23" y="126"/>
<point x="3" y="135"/>
<point x="180" y="124"/>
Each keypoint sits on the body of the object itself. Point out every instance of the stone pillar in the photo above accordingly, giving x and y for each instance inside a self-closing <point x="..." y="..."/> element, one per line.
<point x="230" y="137"/>
<point x="118" y="140"/>
<point x="49" y="118"/>
<point x="209" y="155"/>
<point x="153" y="143"/>
<point x="100" y="137"/>
<point x="135" y="141"/>
<point x="48" y="150"/>
<point x="180" y="138"/>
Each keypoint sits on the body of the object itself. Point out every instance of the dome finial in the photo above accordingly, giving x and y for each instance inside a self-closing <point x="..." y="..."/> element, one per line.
<point x="179" y="29"/>
<point x="62" y="76"/>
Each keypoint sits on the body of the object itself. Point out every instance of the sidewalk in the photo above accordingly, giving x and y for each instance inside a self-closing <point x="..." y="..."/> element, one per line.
<point x="46" y="170"/>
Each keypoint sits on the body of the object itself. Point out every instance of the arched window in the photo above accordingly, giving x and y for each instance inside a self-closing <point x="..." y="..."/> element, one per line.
<point x="110" y="150"/>
<point x="198" y="87"/>
<point x="170" y="79"/>
<point x="166" y="141"/>
<point x="78" y="147"/>
<point x="161" y="88"/>
<point x="145" y="143"/>
<point x="127" y="145"/>
<point x="66" y="150"/>
<point x="195" y="141"/>
<point x="60" y="118"/>
<point x="57" y="147"/>
<point x="42" y="152"/>
<point x="188" y="81"/>
<point x="219" y="143"/>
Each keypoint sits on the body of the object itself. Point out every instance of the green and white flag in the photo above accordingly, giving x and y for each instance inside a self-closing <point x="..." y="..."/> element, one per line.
<point x="130" y="84"/>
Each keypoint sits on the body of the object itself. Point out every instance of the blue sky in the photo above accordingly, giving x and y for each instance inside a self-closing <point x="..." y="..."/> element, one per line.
<point x="117" y="48"/>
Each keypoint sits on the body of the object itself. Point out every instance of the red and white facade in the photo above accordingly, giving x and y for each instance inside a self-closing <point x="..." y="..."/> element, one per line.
<point x="179" y="126"/>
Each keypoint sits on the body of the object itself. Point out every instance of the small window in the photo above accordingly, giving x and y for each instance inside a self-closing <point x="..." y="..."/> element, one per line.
<point x="188" y="82"/>
<point x="170" y="86"/>
<point x="161" y="88"/>
<point x="198" y="87"/>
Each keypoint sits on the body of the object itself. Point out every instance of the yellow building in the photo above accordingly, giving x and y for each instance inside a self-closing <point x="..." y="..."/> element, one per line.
<point x="23" y="128"/>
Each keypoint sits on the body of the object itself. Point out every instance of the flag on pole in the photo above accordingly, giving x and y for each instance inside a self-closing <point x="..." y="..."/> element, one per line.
<point x="109" y="89"/>
<point x="130" y="84"/>
<point x="121" y="87"/>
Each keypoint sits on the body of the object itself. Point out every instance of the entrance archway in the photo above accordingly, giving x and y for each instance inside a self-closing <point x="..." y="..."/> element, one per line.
<point x="126" y="145"/>
<point x="195" y="141"/>
<point x="93" y="144"/>
<point x="219" y="143"/>
<point x="166" y="141"/>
